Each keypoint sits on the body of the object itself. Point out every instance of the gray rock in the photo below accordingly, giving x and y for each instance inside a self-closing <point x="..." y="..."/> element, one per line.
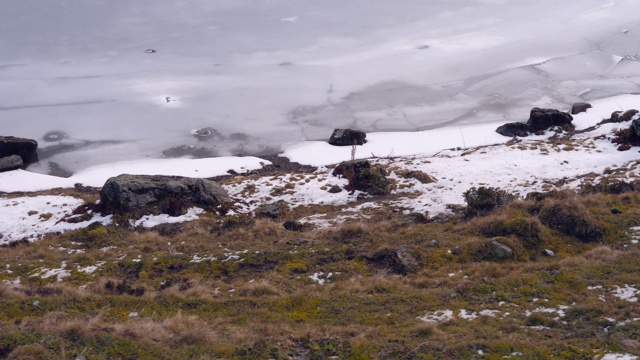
<point x="273" y="211"/>
<point x="406" y="259"/>
<point x="346" y="137"/>
<point x="397" y="261"/>
<point x="25" y="148"/>
<point x="548" y="252"/>
<point x="13" y="162"/>
<point x="499" y="250"/>
<point x="635" y="127"/>
<point x="580" y="107"/>
<point x="623" y="116"/>
<point x="155" y="194"/>
<point x="189" y="150"/>
<point x="434" y="243"/>
<point x="542" y="119"/>
<point x="513" y="129"/>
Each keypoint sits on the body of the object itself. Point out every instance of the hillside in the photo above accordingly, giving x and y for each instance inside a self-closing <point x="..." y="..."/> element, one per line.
<point x="483" y="247"/>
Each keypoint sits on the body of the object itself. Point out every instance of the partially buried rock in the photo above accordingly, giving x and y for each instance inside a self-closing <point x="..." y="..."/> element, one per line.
<point x="54" y="135"/>
<point x="398" y="261"/>
<point x="363" y="177"/>
<point x="542" y="119"/>
<point x="25" y="148"/>
<point x="347" y="137"/>
<point x="580" y="107"/>
<point x="623" y="116"/>
<point x="137" y="195"/>
<point x="499" y="251"/>
<point x="635" y="128"/>
<point x="206" y="134"/>
<point x="189" y="150"/>
<point x="273" y="211"/>
<point x="13" y="162"/>
<point x="513" y="129"/>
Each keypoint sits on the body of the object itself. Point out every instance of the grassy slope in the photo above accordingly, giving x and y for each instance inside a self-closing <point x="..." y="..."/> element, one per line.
<point x="253" y="296"/>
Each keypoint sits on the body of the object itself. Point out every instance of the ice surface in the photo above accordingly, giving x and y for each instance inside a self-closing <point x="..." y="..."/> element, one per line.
<point x="130" y="79"/>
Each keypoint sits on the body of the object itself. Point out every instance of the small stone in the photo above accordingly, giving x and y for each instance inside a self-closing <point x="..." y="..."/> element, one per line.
<point x="335" y="189"/>
<point x="548" y="252"/>
<point x="616" y="211"/>
<point x="434" y="243"/>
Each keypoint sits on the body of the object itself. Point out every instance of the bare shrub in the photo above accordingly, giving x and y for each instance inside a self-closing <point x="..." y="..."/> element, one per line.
<point x="483" y="200"/>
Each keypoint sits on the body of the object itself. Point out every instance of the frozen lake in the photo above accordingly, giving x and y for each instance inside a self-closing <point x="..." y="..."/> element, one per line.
<point x="131" y="79"/>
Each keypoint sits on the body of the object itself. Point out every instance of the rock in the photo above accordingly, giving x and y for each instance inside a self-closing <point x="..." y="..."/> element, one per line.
<point x="580" y="107"/>
<point x="169" y="230"/>
<point x="513" y="129"/>
<point x="434" y="243"/>
<point x="293" y="226"/>
<point x="13" y="162"/>
<point x="155" y="194"/>
<point x="189" y="150"/>
<point x="542" y="119"/>
<point x="273" y="211"/>
<point x="398" y="261"/>
<point x="635" y="128"/>
<point x="499" y="251"/>
<point x="623" y="116"/>
<point x="54" y="135"/>
<point x="616" y="211"/>
<point x="363" y="177"/>
<point x="25" y="148"/>
<point x="548" y="252"/>
<point x="406" y="259"/>
<point x="346" y="137"/>
<point x="335" y="189"/>
<point x="206" y="134"/>
<point x="303" y="241"/>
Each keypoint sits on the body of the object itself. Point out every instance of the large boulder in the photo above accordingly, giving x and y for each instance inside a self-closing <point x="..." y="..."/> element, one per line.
<point x="542" y="119"/>
<point x="13" y="162"/>
<point x="346" y="137"/>
<point x="363" y="177"/>
<point x="137" y="195"/>
<point x="25" y="148"/>
<point x="513" y="129"/>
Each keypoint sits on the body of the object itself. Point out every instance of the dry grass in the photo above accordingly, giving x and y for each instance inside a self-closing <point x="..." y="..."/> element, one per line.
<point x="251" y="292"/>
